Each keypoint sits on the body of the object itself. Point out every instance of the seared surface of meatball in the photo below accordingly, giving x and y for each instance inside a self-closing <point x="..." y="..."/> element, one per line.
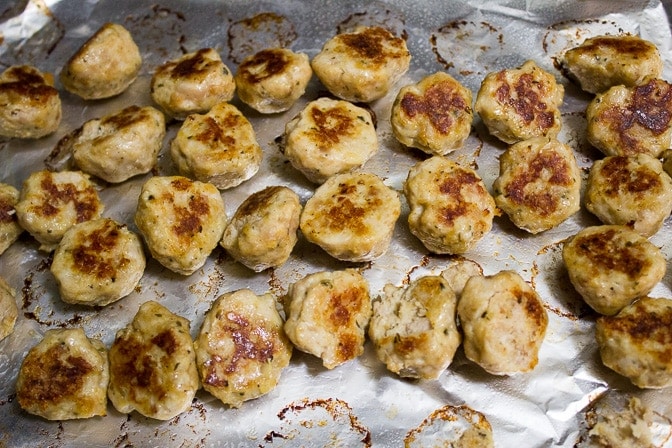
<point x="10" y="230"/>
<point x="414" y="329"/>
<point x="327" y="315"/>
<point x="65" y="376"/>
<point x="104" y="66"/>
<point x="362" y="65"/>
<point x="433" y="115"/>
<point x="330" y="137"/>
<point x="241" y="348"/>
<point x="153" y="364"/>
<point x="30" y="106"/>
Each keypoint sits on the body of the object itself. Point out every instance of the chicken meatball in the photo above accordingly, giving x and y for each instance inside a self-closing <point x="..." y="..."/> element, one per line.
<point x="414" y="329"/>
<point x="327" y="315"/>
<point x="625" y="121"/>
<point x="98" y="262"/>
<point x="602" y="62"/>
<point x="362" y="65"/>
<point x="30" y="106"/>
<point x="107" y="63"/>
<point x="241" y="349"/>
<point x="434" y="115"/>
<point x="192" y="83"/>
<point x="10" y="230"/>
<point x="518" y="104"/>
<point x="450" y="207"/>
<point x="636" y="343"/>
<point x="52" y="202"/>
<point x="65" y="376"/>
<point x="120" y="145"/>
<point x="263" y="231"/>
<point x="539" y="184"/>
<point x="153" y="364"/>
<point x="633" y="191"/>
<point x="271" y="80"/>
<point x="504" y="323"/>
<point x="330" y="137"/>
<point x="351" y="216"/>
<point x="181" y="221"/>
<point x="219" y="147"/>
<point x="9" y="311"/>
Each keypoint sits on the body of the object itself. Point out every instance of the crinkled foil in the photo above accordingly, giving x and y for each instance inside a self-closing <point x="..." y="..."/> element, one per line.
<point x="359" y="403"/>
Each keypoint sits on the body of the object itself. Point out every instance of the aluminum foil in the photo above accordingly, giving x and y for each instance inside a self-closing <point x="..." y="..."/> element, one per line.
<point x="359" y="403"/>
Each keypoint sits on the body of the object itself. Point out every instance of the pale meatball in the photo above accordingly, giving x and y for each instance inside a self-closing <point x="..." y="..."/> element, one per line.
<point x="624" y="121"/>
<point x="504" y="323"/>
<point x="153" y="364"/>
<point x="327" y="315"/>
<point x="10" y="230"/>
<point x="120" y="145"/>
<point x="637" y="342"/>
<point x="450" y="207"/>
<point x="351" y="216"/>
<point x="631" y="191"/>
<point x="98" y="262"/>
<point x="602" y="62"/>
<point x="192" y="83"/>
<point x="181" y="221"/>
<point x="52" y="202"/>
<point x="30" y="106"/>
<point x="241" y="349"/>
<point x="107" y="63"/>
<point x="64" y="377"/>
<point x="539" y="184"/>
<point x="9" y="311"/>
<point x="518" y="104"/>
<point x="271" y="80"/>
<point x="459" y="272"/>
<point x="434" y="115"/>
<point x="330" y="137"/>
<point x="219" y="147"/>
<point x="362" y="65"/>
<point x="263" y="231"/>
<point x="452" y="427"/>
<point x="610" y="266"/>
<point x="414" y="330"/>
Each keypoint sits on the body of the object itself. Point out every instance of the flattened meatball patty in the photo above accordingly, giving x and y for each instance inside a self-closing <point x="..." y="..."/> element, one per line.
<point x="518" y="104"/>
<point x="602" y="62"/>
<point x="219" y="147"/>
<point x="330" y="137"/>
<point x="632" y="191"/>
<point x="433" y="115"/>
<point x="107" y="63"/>
<point x="414" y="329"/>
<point x="181" y="221"/>
<point x="271" y="80"/>
<point x="351" y="216"/>
<point x="241" y="349"/>
<point x="362" y="65"/>
<point x="98" y="262"/>
<point x="120" y="145"/>
<point x="52" y="202"/>
<point x="30" y="106"/>
<point x="504" y="323"/>
<point x="153" y="364"/>
<point x="192" y="83"/>
<point x="327" y="315"/>
<point x="539" y="184"/>
<point x="625" y="121"/>
<point x="637" y="342"/>
<point x="451" y="209"/>
<point x="263" y="231"/>
<point x="64" y="376"/>
<point x="10" y="230"/>
<point x="610" y="266"/>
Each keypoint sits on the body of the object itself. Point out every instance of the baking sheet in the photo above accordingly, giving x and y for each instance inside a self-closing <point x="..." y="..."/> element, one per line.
<point x="360" y="403"/>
